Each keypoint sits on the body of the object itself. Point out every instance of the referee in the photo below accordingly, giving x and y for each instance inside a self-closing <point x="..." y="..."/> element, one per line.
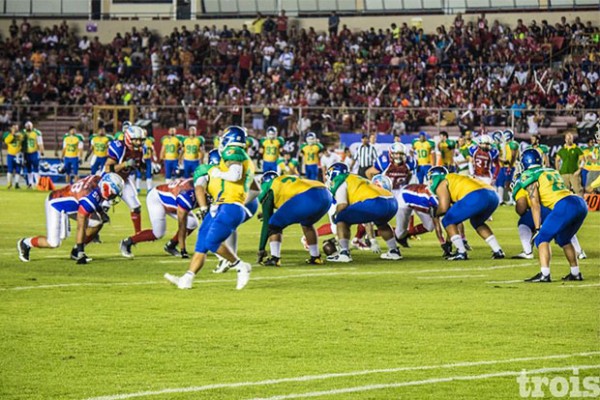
<point x="366" y="155"/>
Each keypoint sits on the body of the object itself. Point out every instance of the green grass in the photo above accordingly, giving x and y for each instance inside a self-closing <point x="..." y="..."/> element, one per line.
<point x="77" y="342"/>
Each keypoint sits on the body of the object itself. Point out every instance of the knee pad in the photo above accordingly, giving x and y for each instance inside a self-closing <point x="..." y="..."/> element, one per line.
<point x="274" y="230"/>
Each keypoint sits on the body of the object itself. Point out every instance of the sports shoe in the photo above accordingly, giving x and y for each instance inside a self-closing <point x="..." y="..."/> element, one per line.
<point x="222" y="266"/>
<point x="23" y="250"/>
<point x="74" y="253"/>
<point x="304" y="242"/>
<point x="447" y="249"/>
<point x="184" y="253"/>
<point x="360" y="244"/>
<point x="169" y="248"/>
<point x="458" y="257"/>
<point x="314" y="260"/>
<point x="82" y="258"/>
<point x="17" y="186"/>
<point x="523" y="256"/>
<point x="243" y="274"/>
<point x="182" y="282"/>
<point x="393" y="254"/>
<point x="403" y="241"/>
<point x="582" y="255"/>
<point x="572" y="277"/>
<point x="498" y="255"/>
<point x="539" y="278"/>
<point x="467" y="245"/>
<point x="272" y="261"/>
<point x="342" y="257"/>
<point x="125" y="247"/>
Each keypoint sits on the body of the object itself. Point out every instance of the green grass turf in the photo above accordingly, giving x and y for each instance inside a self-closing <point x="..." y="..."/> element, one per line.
<point x="128" y="331"/>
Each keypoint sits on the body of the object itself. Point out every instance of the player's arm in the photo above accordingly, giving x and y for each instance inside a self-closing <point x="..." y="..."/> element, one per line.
<point x="40" y="141"/>
<point x="341" y="198"/>
<point x="182" y="216"/>
<point x="163" y="150"/>
<point x="443" y="195"/>
<point x="82" y="224"/>
<point x="536" y="206"/>
<point x="267" y="206"/>
<point x="521" y="205"/>
<point x="234" y="172"/>
<point x="64" y="149"/>
<point x="89" y="152"/>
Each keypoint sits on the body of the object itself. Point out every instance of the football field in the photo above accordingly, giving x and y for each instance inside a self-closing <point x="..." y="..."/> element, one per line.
<point x="420" y="328"/>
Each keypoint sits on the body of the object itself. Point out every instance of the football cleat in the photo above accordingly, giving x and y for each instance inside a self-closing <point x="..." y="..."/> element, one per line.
<point x="403" y="241"/>
<point x="447" y="249"/>
<point x="360" y="244"/>
<point x="9" y="186"/>
<point x="498" y="255"/>
<point x="393" y="254"/>
<point x="169" y="248"/>
<point x="82" y="258"/>
<point x="74" y="253"/>
<point x="314" y="260"/>
<point x="23" y="250"/>
<point x="125" y="247"/>
<point x="222" y="266"/>
<point x="243" y="274"/>
<point x="184" y="253"/>
<point x="17" y="186"/>
<point x="539" y="278"/>
<point x="523" y="256"/>
<point x="272" y="261"/>
<point x="582" y="255"/>
<point x="342" y="257"/>
<point x="458" y="257"/>
<point x="572" y="277"/>
<point x="467" y="245"/>
<point x="183" y="282"/>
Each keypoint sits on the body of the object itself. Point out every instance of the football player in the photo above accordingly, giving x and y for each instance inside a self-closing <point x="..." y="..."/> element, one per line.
<point x="125" y="157"/>
<point x="288" y="200"/>
<point x="270" y="149"/>
<point x="509" y="152"/>
<point x="35" y="149"/>
<point x="541" y="148"/>
<point x="176" y="200"/>
<point x="149" y="162"/>
<point x="461" y="198"/>
<point x="483" y="159"/>
<point x="545" y="188"/>
<point x="192" y="153"/>
<point x="287" y="165"/>
<point x="416" y="198"/>
<point x="81" y="201"/>
<point x="14" y="140"/>
<point x="359" y="201"/>
<point x="423" y="149"/>
<point x="235" y="172"/>
<point x="310" y="156"/>
<point x="169" y="153"/>
<point x="99" y="147"/>
<point x="72" y="153"/>
<point x="446" y="149"/>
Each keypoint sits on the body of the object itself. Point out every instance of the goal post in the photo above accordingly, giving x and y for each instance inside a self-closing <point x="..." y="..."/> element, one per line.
<point x="115" y="114"/>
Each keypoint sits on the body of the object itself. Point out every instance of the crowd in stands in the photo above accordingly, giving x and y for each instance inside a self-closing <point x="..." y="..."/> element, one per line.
<point x="487" y="68"/>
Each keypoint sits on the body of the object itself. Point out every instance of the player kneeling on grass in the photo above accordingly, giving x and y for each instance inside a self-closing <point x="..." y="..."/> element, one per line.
<point x="176" y="200"/>
<point x="545" y="188"/>
<point x="81" y="201"/>
<point x="296" y="201"/>
<point x="235" y="173"/>
<point x="526" y="226"/>
<point x="359" y="201"/>
<point x="461" y="198"/>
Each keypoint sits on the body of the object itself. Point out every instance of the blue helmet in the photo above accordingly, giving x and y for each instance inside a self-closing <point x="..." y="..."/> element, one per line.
<point x="498" y="136"/>
<point x="508" y="135"/>
<point x="335" y="170"/>
<point x="311" y="138"/>
<point x="382" y="181"/>
<point x="214" y="158"/>
<point x="268" y="176"/>
<point x="531" y="158"/>
<point x="436" y="171"/>
<point x="233" y="136"/>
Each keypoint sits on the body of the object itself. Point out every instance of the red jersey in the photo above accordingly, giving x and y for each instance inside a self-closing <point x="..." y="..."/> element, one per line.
<point x="399" y="174"/>
<point x="77" y="190"/>
<point x="119" y="152"/>
<point x="179" y="193"/>
<point x="483" y="161"/>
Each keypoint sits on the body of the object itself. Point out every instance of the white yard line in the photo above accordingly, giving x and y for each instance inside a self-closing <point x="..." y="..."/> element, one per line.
<point x="513" y="281"/>
<point x="575" y="286"/>
<point x="309" y="378"/>
<point x="450" y="277"/>
<point x="432" y="381"/>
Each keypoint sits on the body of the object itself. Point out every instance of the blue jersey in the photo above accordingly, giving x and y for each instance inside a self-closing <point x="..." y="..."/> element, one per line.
<point x="384" y="161"/>
<point x="179" y="193"/>
<point x="419" y="197"/>
<point x="83" y="196"/>
<point x="118" y="152"/>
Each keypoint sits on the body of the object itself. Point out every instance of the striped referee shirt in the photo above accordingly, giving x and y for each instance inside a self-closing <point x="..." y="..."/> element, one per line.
<point x="366" y="155"/>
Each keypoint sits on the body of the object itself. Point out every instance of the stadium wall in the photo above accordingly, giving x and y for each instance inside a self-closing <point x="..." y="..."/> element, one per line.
<point x="108" y="29"/>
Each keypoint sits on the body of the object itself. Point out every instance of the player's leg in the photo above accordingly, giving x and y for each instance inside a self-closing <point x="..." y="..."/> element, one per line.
<point x="10" y="170"/>
<point x="149" y="183"/>
<point x="54" y="221"/>
<point x="574" y="211"/>
<point x="158" y="221"/>
<point x="484" y="203"/>
<point x="130" y="198"/>
<point x="387" y="209"/>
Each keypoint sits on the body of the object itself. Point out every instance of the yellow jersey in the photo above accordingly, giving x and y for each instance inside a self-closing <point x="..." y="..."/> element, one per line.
<point x="14" y="142"/>
<point x="287" y="168"/>
<point x="34" y="138"/>
<point x="447" y="152"/>
<point x="359" y="188"/>
<point x="192" y="148"/>
<point x="460" y="185"/>
<point x="551" y="186"/>
<point x="149" y="144"/>
<point x="172" y="145"/>
<point x="99" y="145"/>
<point x="523" y="193"/>
<point x="234" y="192"/>
<point x="271" y="148"/>
<point x="286" y="187"/>
<point x="592" y="158"/>
<point x="72" y="144"/>
<point x="311" y="153"/>
<point x="423" y="151"/>
<point x="509" y="149"/>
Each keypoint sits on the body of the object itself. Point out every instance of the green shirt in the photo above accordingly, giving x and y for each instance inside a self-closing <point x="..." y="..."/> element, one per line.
<point x="570" y="159"/>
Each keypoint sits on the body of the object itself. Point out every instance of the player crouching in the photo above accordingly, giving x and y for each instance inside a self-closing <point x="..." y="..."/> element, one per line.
<point x="175" y="199"/>
<point x="296" y="201"/>
<point x="81" y="201"/>
<point x="359" y="201"/>
<point x="461" y="198"/>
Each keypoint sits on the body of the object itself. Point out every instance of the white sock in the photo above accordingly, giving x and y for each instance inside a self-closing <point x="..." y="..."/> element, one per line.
<point x="345" y="244"/>
<point x="491" y="240"/>
<point x="137" y="183"/>
<point x="17" y="178"/>
<point x="9" y="178"/>
<point x="149" y="183"/>
<point x="188" y="276"/>
<point x="575" y="270"/>
<point x="391" y="244"/>
<point x="313" y="249"/>
<point x="525" y="236"/>
<point x="501" y="194"/>
<point x="545" y="271"/>
<point x="576" y="245"/>
<point x="36" y="176"/>
<point x="231" y="242"/>
<point x="457" y="241"/>
<point x="275" y="249"/>
<point x="27" y="241"/>
<point x="30" y="178"/>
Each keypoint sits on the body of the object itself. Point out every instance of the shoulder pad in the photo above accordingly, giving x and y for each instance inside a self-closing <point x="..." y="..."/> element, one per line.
<point x="233" y="153"/>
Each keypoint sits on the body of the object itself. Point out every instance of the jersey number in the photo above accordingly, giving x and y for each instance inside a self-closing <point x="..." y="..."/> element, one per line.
<point x="557" y="183"/>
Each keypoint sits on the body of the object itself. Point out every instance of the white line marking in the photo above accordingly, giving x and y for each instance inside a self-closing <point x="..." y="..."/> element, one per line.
<point x="431" y="381"/>
<point x="308" y="378"/>
<point x="581" y="286"/>
<point x="494" y="267"/>
<point x="514" y="281"/>
<point x="451" y="277"/>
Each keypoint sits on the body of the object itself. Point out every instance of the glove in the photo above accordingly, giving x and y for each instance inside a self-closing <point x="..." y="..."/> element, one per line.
<point x="259" y="216"/>
<point x="202" y="212"/>
<point x="184" y="253"/>
<point x="375" y="247"/>
<point x="130" y="163"/>
<point x="536" y="232"/>
<point x="260" y="255"/>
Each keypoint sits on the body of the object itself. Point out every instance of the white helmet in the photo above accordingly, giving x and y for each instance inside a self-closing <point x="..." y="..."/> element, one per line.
<point x="311" y="138"/>
<point x="382" y="181"/>
<point x="133" y="133"/>
<point x="111" y="186"/>
<point x="485" y="139"/>
<point x="271" y="132"/>
<point x="398" y="152"/>
<point x="29" y="125"/>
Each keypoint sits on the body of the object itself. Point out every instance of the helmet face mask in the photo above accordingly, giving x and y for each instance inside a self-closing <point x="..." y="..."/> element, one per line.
<point x="134" y="137"/>
<point x="271" y="132"/>
<point x="311" y="138"/>
<point x="398" y="153"/>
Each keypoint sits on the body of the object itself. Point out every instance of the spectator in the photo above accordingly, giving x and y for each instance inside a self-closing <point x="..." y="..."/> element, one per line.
<point x="282" y="25"/>
<point x="333" y="23"/>
<point x="258" y="24"/>
<point x="568" y="162"/>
